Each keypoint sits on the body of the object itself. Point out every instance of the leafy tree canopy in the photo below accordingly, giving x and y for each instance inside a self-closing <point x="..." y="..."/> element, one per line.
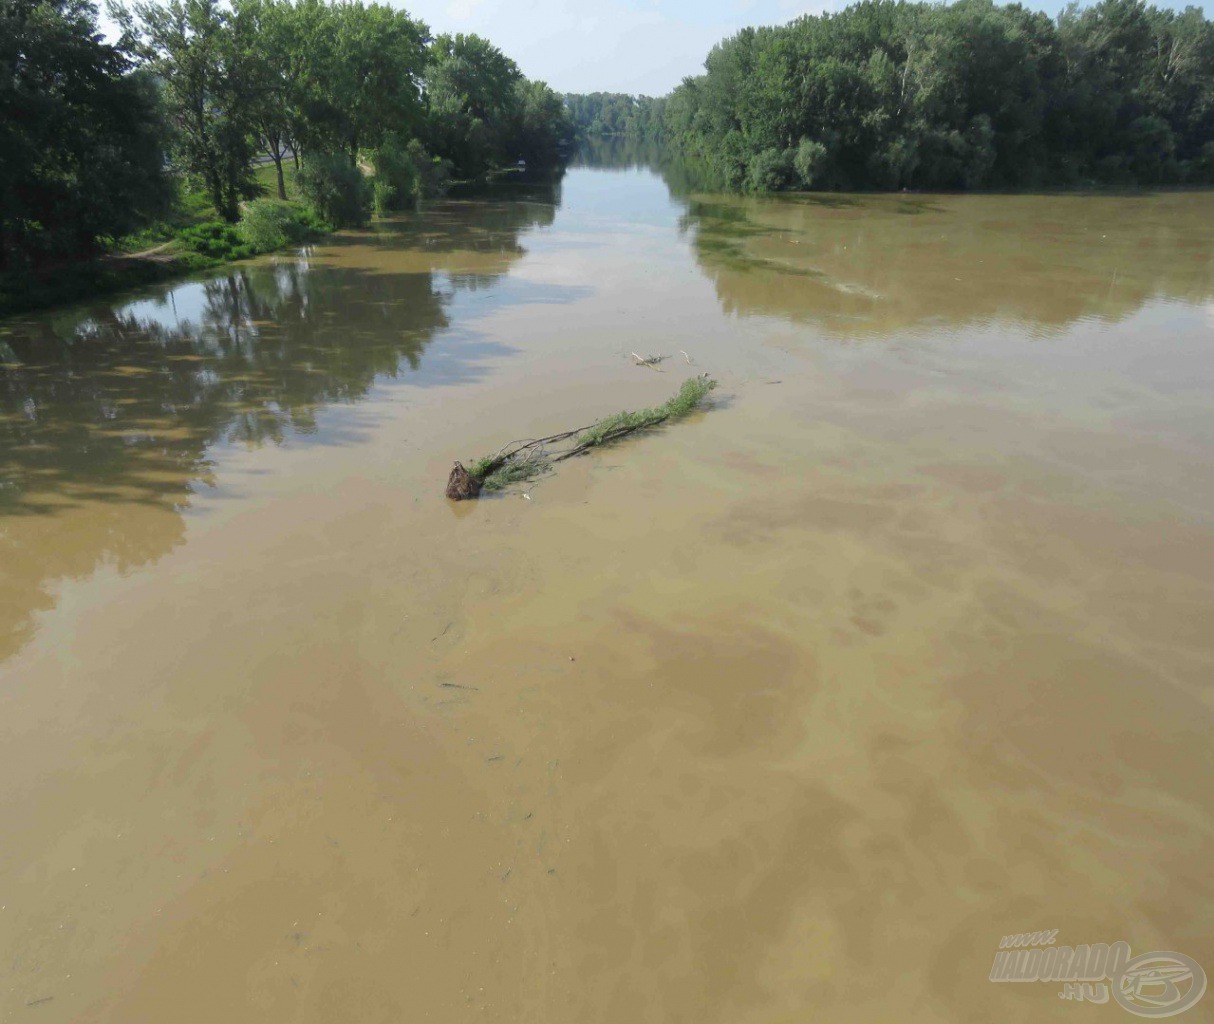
<point x="81" y="156"/>
<point x="890" y="94"/>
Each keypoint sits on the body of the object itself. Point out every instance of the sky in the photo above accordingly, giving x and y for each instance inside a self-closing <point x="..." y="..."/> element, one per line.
<point x="633" y="46"/>
<point x="642" y="47"/>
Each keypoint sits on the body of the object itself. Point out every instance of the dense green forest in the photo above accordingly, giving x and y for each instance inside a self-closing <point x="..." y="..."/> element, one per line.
<point x="889" y="95"/>
<point x="615" y="113"/>
<point x="160" y="132"/>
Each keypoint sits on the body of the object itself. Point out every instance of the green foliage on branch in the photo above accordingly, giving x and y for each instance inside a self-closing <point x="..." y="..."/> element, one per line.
<point x="526" y="460"/>
<point x="692" y="392"/>
<point x="525" y="467"/>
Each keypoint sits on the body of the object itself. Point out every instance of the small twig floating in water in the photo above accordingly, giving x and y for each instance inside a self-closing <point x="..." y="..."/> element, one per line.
<point x="525" y="460"/>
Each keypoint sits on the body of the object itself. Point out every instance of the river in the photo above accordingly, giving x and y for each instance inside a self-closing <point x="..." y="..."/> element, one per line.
<point x="787" y="712"/>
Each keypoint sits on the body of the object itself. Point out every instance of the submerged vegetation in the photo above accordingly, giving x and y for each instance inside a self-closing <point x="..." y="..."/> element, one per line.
<point x="526" y="460"/>
<point x="970" y="95"/>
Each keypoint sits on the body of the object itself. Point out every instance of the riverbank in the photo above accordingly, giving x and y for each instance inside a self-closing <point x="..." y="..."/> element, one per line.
<point x="190" y="239"/>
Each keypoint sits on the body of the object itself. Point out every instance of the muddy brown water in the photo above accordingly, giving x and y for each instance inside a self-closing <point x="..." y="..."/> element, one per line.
<point x="788" y="712"/>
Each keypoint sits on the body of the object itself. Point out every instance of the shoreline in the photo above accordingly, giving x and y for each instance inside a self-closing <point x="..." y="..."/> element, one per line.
<point x="109" y="274"/>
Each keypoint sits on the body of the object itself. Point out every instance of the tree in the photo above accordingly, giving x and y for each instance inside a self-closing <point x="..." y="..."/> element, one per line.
<point x="280" y="39"/>
<point x="80" y="153"/>
<point x="365" y="78"/>
<point x="201" y="53"/>
<point x="965" y="95"/>
<point x="471" y="98"/>
<point x="601" y="113"/>
<point x="542" y="129"/>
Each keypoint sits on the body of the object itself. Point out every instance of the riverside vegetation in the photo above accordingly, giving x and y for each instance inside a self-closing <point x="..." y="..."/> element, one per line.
<point x="124" y="161"/>
<point x="969" y="95"/>
<point x="128" y="160"/>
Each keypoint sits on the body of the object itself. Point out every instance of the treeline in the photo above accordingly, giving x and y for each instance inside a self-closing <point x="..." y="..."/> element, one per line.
<point x="889" y="95"/>
<point x="356" y="99"/>
<point x="615" y="113"/>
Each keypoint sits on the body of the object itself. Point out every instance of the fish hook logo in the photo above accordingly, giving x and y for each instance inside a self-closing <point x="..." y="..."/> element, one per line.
<point x="1159" y="984"/>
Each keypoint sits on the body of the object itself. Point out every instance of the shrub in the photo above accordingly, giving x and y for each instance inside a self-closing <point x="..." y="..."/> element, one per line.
<point x="729" y="160"/>
<point x="268" y="224"/>
<point x="770" y="171"/>
<point x="396" y="178"/>
<point x="336" y="189"/>
<point x="217" y="240"/>
<point x="433" y="173"/>
<point x="384" y="196"/>
<point x="810" y="162"/>
<point x="407" y="172"/>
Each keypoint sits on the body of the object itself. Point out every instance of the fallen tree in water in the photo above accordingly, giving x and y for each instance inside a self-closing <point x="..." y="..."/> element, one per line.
<point x="527" y="459"/>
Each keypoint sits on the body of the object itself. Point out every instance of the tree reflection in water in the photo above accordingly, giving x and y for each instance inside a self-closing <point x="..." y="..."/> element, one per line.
<point x="110" y="419"/>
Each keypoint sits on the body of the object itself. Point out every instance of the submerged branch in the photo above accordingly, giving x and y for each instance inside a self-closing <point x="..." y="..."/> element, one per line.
<point x="526" y="460"/>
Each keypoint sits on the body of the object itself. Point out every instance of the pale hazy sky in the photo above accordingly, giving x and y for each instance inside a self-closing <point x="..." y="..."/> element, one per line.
<point x="634" y="46"/>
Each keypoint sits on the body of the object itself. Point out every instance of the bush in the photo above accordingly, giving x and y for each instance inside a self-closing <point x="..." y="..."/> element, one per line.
<point x="268" y="224"/>
<point x="217" y="240"/>
<point x="810" y="162"/>
<point x="770" y="171"/>
<point x="729" y="160"/>
<point x="433" y="173"/>
<point x="404" y="173"/>
<point x="397" y="182"/>
<point x="384" y="196"/>
<point x="336" y="189"/>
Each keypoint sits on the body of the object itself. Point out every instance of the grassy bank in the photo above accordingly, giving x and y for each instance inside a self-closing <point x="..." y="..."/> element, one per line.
<point x="192" y="238"/>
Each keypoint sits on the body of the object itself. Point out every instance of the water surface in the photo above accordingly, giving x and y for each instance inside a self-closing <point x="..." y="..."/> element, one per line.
<point x="787" y="712"/>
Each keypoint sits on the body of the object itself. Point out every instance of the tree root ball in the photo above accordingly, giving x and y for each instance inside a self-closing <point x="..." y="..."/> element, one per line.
<point x="462" y="485"/>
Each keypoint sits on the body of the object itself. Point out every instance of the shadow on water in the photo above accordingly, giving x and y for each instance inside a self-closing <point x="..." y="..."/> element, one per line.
<point x="120" y="410"/>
